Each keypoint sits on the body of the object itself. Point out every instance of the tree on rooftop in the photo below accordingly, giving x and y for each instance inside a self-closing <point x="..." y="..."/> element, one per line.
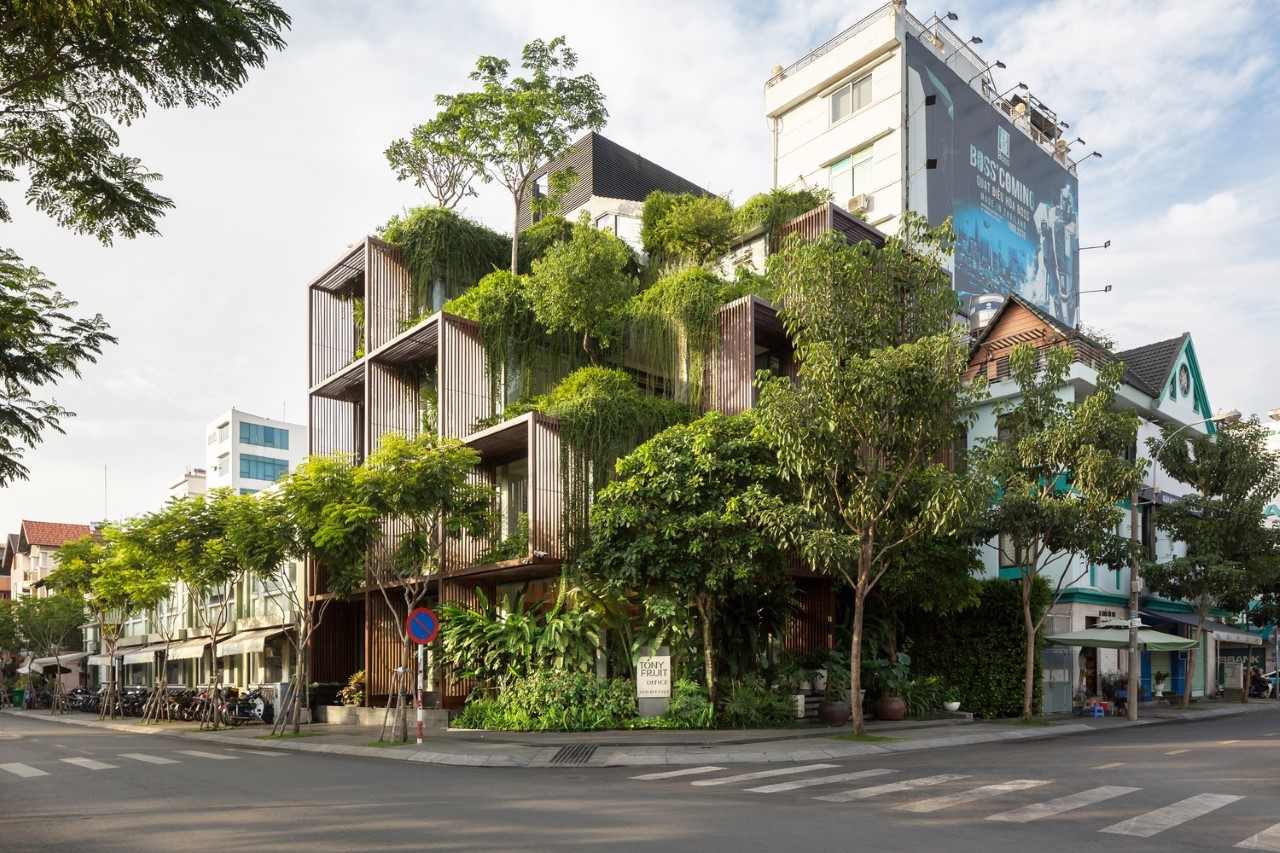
<point x="1231" y="551"/>
<point x="1063" y="468"/>
<point x="514" y="125"/>
<point x="880" y="392"/>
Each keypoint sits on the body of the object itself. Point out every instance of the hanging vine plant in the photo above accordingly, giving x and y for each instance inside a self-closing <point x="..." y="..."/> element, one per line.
<point x="445" y="254"/>
<point x="775" y="209"/>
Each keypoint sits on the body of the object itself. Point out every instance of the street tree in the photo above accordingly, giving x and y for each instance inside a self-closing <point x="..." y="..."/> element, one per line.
<point x="115" y="587"/>
<point x="10" y="644"/>
<point x="1062" y="468"/>
<point x="582" y="287"/>
<point x="332" y="531"/>
<point x="1231" y="550"/>
<point x="419" y="488"/>
<point x="40" y="341"/>
<point x="514" y="125"/>
<point x="75" y="71"/>
<point x="677" y="522"/>
<point x="50" y="627"/>
<point x="880" y="393"/>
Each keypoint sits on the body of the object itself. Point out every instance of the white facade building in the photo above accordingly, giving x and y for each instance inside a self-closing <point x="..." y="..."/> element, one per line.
<point x="248" y="453"/>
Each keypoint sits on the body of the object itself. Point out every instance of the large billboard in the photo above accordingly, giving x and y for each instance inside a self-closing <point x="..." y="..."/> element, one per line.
<point x="1012" y="205"/>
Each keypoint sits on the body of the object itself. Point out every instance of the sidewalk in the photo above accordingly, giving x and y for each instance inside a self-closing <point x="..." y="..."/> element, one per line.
<point x="461" y="747"/>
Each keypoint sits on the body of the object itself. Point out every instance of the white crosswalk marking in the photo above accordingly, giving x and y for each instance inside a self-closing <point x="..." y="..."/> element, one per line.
<point x="892" y="787"/>
<point x="671" y="774"/>
<point x="150" y="759"/>
<point x="764" y="774"/>
<point x="26" y="771"/>
<point x="1151" y="823"/>
<point x="820" y="780"/>
<point x="1035" y="811"/>
<point x="984" y="792"/>
<point x="89" y="763"/>
<point x="195" y="753"/>
<point x="1268" y="839"/>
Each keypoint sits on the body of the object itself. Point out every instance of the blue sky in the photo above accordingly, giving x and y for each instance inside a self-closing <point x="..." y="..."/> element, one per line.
<point x="1179" y="97"/>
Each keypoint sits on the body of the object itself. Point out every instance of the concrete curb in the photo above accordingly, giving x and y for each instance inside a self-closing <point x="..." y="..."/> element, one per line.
<point x="761" y="752"/>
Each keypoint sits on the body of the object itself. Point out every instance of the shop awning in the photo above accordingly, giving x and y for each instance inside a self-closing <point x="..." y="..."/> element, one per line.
<point x="39" y="664"/>
<point x="142" y="654"/>
<point x="1224" y="633"/>
<point x="1115" y="635"/>
<point x="248" y="641"/>
<point x="99" y="660"/>
<point x="188" y="650"/>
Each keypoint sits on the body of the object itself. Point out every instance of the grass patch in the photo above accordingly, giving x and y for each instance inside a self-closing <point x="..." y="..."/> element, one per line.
<point x="864" y="738"/>
<point x="381" y="744"/>
<point x="286" y="735"/>
<point x="1025" y="721"/>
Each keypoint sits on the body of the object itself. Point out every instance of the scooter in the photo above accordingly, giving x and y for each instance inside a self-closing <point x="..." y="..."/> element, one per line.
<point x="252" y="707"/>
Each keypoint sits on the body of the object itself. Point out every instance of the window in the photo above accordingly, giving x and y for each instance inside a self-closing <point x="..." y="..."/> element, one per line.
<point x="852" y="175"/>
<point x="223" y="464"/>
<point x="262" y="467"/>
<point x="1013" y="555"/>
<point x="248" y="491"/>
<point x="220" y="433"/>
<point x="850" y="98"/>
<point x="513" y="494"/>
<point x="264" y="436"/>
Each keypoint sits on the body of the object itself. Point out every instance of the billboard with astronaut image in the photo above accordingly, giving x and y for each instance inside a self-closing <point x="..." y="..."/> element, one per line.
<point x="1012" y="205"/>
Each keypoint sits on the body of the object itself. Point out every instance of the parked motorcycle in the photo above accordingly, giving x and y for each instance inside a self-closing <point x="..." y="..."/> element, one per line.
<point x="252" y="707"/>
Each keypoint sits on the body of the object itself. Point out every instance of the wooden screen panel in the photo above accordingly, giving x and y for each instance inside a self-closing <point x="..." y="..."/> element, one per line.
<point x="462" y="552"/>
<point x="465" y="391"/>
<point x="813" y="626"/>
<point x="388" y="299"/>
<point x="335" y="427"/>
<point x="337" y="646"/>
<point x="734" y="365"/>
<point x="546" y="489"/>
<point x="393" y="404"/>
<point x="384" y="650"/>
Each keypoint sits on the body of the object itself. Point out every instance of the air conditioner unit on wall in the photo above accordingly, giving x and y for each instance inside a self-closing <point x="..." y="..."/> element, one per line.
<point x="859" y="204"/>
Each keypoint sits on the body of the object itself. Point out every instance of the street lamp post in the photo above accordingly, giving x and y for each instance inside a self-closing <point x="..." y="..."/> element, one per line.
<point x="1135" y="582"/>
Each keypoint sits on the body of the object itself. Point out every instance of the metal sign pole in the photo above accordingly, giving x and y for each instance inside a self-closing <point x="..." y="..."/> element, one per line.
<point x="420" y="652"/>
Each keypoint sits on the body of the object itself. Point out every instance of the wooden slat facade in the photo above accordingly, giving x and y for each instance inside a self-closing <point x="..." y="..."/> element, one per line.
<point x="387" y="300"/>
<point x="465" y="392"/>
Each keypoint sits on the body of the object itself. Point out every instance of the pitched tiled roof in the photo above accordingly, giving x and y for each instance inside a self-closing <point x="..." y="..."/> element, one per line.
<point x="1154" y="362"/>
<point x="51" y="533"/>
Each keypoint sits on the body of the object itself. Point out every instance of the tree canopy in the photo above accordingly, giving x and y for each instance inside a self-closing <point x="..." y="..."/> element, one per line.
<point x="72" y="69"/>
<point x="514" y="125"/>
<point x="1063" y="468"/>
<point x="880" y="393"/>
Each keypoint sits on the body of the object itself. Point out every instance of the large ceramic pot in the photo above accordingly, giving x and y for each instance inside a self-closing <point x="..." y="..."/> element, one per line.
<point x="833" y="712"/>
<point x="890" y="708"/>
<point x="952" y="707"/>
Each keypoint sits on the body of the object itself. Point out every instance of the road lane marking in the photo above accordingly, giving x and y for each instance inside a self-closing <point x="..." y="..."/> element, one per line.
<point x="150" y="759"/>
<point x="1109" y="766"/>
<point x="1036" y="811"/>
<point x="1151" y="823"/>
<point x="671" y="774"/>
<point x="1177" y="751"/>
<point x="198" y="754"/>
<point x="763" y="774"/>
<point x="945" y="802"/>
<point x="89" y="763"/>
<point x="1268" y="839"/>
<point x="820" y="780"/>
<point x="1226" y="742"/>
<point x="892" y="787"/>
<point x="26" y="771"/>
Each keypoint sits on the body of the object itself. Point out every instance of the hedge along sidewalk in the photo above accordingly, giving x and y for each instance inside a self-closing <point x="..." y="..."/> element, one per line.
<point x="647" y="748"/>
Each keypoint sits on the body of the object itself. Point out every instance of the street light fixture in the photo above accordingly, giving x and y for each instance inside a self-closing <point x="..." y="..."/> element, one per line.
<point x="1135" y="582"/>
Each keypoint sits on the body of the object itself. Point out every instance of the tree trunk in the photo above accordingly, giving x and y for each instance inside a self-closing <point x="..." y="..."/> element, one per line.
<point x="1191" y="666"/>
<point x="400" y="725"/>
<point x="855" y="660"/>
<point x="1029" y="668"/>
<point x="705" y="612"/>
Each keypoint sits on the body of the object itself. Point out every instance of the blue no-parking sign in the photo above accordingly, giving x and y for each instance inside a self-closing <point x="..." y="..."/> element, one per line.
<point x="422" y="625"/>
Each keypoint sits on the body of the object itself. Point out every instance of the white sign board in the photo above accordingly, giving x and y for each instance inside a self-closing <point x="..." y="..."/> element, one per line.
<point x="653" y="677"/>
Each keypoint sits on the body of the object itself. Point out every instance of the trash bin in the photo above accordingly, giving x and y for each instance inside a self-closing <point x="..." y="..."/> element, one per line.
<point x="17" y="697"/>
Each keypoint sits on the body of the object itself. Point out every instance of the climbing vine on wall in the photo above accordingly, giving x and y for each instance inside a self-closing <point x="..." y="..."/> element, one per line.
<point x="445" y="254"/>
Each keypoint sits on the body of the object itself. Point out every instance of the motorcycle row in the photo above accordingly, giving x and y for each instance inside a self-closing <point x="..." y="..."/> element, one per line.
<point x="177" y="703"/>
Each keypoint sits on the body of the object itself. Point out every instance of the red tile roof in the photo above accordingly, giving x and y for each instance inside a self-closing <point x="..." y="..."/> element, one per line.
<point x="51" y="533"/>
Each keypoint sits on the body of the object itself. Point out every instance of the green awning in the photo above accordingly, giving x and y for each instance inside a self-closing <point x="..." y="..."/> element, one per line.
<point x="1116" y="636"/>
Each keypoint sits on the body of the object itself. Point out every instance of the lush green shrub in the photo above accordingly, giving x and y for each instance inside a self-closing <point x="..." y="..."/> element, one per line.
<point x="922" y="695"/>
<point x="981" y="655"/>
<point x="445" y="253"/>
<point x="553" y="701"/>
<point x="751" y="704"/>
<point x="775" y="208"/>
<point x="689" y="707"/>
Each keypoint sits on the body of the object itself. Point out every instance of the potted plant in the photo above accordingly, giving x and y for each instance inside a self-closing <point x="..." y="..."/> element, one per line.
<point x="893" y="674"/>
<point x="950" y="699"/>
<point x="1157" y="682"/>
<point x="353" y="693"/>
<point x="790" y="676"/>
<point x="834" y="708"/>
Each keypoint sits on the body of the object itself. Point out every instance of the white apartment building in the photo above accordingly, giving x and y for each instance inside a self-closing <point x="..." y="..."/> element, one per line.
<point x="248" y="453"/>
<point x="897" y="114"/>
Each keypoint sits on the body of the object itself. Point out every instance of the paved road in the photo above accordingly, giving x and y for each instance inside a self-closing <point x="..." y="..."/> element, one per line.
<point x="1207" y="785"/>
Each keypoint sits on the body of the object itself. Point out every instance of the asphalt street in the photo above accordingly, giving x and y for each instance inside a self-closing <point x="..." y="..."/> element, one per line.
<point x="1201" y="785"/>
